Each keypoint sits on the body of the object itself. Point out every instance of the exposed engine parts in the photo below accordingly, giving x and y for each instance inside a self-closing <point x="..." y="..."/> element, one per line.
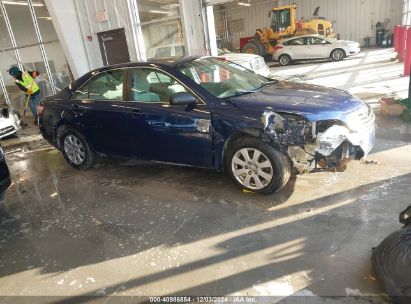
<point x="310" y="147"/>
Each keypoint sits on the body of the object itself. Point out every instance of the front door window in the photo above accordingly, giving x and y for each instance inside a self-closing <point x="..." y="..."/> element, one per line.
<point x="149" y="85"/>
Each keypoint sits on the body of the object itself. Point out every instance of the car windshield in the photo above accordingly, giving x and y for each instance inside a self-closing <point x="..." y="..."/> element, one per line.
<point x="223" y="78"/>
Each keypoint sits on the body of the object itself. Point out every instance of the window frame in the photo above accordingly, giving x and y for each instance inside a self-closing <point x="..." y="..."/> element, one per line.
<point x="128" y="98"/>
<point x="86" y="83"/>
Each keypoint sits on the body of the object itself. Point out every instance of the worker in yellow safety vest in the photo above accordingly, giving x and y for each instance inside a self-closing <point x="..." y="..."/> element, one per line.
<point x="25" y="81"/>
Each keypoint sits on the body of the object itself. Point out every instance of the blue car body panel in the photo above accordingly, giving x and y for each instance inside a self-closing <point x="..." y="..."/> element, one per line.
<point x="166" y="133"/>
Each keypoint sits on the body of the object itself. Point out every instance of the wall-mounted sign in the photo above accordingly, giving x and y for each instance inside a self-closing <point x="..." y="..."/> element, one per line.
<point x="102" y="16"/>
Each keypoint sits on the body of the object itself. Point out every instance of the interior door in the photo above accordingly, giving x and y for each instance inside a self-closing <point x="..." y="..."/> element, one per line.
<point x="113" y="46"/>
<point x="98" y="110"/>
<point x="163" y="132"/>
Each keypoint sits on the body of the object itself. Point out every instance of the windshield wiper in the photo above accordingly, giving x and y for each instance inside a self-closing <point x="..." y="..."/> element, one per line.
<point x="242" y="92"/>
<point x="268" y="83"/>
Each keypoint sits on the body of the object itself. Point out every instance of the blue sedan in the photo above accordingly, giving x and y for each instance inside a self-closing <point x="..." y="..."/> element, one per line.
<point x="4" y="175"/>
<point x="207" y="112"/>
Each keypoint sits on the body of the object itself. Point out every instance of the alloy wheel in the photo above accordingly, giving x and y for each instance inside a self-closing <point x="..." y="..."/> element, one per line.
<point x="74" y="149"/>
<point x="284" y="60"/>
<point x="338" y="55"/>
<point x="252" y="168"/>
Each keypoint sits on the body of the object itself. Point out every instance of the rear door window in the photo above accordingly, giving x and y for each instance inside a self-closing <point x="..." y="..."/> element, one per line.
<point x="315" y="40"/>
<point x="103" y="86"/>
<point x="298" y="41"/>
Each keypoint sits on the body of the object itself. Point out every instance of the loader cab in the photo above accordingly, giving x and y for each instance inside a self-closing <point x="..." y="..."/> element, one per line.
<point x="283" y="19"/>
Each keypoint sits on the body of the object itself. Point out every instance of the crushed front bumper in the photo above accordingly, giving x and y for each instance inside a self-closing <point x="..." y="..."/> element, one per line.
<point x="335" y="136"/>
<point x="309" y="149"/>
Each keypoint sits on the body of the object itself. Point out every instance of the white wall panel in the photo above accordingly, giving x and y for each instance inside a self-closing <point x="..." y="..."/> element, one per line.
<point x="118" y="17"/>
<point x="193" y="26"/>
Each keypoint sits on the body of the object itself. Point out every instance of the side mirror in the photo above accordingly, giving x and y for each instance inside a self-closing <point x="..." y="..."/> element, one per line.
<point x="183" y="99"/>
<point x="324" y="42"/>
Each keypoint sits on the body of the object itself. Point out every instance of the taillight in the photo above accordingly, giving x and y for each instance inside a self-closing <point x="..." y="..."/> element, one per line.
<point x="40" y="109"/>
<point x="277" y="47"/>
<point x="223" y="57"/>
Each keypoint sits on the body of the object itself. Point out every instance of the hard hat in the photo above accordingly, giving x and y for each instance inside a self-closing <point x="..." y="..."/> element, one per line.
<point x="14" y="71"/>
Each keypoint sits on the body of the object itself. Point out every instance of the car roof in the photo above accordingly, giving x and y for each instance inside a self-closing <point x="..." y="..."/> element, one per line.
<point x="169" y="61"/>
<point x="303" y="36"/>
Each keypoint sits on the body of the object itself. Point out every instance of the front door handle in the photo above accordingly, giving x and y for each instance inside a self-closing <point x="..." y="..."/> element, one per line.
<point x="159" y="124"/>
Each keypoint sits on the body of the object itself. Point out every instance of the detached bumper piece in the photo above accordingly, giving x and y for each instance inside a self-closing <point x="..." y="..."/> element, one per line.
<point x="7" y="131"/>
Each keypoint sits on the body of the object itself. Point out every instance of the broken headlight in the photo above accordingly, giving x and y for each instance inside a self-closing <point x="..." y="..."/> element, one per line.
<point x="286" y="129"/>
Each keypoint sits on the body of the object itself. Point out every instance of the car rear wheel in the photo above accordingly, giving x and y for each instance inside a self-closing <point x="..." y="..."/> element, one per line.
<point x="256" y="166"/>
<point x="284" y="60"/>
<point x="337" y="55"/>
<point x="76" y="151"/>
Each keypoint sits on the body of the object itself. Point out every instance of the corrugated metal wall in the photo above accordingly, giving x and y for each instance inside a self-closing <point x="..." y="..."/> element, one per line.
<point x="255" y="16"/>
<point x="353" y="19"/>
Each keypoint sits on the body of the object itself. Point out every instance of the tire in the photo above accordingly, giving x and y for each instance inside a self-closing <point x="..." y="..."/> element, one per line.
<point x="338" y="55"/>
<point x="255" y="177"/>
<point x="253" y="47"/>
<point x="268" y="57"/>
<point x="76" y="150"/>
<point x="284" y="60"/>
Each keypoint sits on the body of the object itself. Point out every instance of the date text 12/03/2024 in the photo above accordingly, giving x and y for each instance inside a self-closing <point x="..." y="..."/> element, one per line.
<point x="205" y="299"/>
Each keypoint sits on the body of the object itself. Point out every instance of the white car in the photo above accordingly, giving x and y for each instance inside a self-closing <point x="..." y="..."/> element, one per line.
<point x="10" y="123"/>
<point x="252" y="62"/>
<point x="166" y="51"/>
<point x="314" y="47"/>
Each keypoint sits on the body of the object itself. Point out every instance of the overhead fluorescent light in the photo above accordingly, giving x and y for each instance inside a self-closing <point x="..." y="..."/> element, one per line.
<point x="244" y="3"/>
<point x="159" y="12"/>
<point x="47" y="18"/>
<point x="22" y="3"/>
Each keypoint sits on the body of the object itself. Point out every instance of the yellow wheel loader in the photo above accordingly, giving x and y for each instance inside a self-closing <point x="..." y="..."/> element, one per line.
<point x="284" y="24"/>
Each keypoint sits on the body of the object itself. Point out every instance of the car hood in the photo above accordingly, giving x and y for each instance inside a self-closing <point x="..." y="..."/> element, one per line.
<point x="241" y="57"/>
<point x="310" y="101"/>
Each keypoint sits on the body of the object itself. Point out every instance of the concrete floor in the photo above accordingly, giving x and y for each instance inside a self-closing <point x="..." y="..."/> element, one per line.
<point x="137" y="229"/>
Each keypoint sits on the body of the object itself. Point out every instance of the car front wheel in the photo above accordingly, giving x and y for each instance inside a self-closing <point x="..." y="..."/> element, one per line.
<point x="256" y="166"/>
<point x="337" y="55"/>
<point x="76" y="151"/>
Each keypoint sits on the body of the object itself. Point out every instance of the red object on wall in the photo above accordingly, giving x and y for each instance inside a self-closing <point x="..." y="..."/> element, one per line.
<point x="407" y="61"/>
<point x="402" y="39"/>
<point x="244" y="41"/>
<point x="396" y="36"/>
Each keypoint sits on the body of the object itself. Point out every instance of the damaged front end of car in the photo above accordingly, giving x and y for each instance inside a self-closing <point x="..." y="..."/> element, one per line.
<point x="323" y="144"/>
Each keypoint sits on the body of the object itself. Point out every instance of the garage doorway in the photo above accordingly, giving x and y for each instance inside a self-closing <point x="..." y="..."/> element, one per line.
<point x="113" y="46"/>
